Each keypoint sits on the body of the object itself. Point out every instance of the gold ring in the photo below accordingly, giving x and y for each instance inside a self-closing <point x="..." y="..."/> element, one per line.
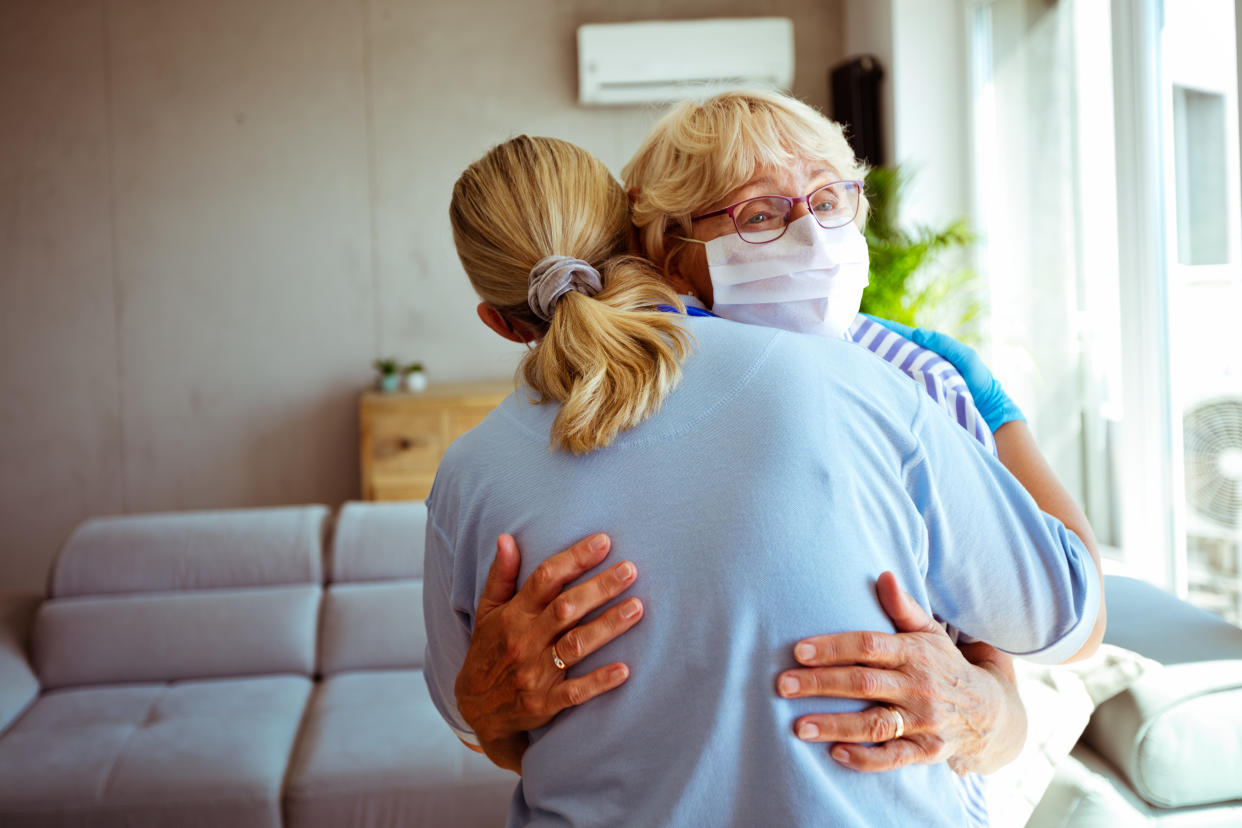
<point x="899" y="721"/>
<point x="558" y="661"/>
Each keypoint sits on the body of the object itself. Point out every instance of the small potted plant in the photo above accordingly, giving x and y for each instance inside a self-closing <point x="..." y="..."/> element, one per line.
<point x="389" y="374"/>
<point x="415" y="379"/>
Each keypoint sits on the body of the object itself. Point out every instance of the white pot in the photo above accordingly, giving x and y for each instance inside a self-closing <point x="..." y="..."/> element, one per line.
<point x="416" y="381"/>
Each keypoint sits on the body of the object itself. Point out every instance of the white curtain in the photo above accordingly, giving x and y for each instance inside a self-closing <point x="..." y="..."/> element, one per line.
<point x="1045" y="172"/>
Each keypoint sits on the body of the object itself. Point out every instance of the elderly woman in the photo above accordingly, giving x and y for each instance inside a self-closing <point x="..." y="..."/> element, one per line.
<point x="691" y="185"/>
<point x="752" y="514"/>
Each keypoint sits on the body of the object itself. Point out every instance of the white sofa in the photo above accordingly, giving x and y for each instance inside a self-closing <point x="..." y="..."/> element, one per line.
<point x="261" y="668"/>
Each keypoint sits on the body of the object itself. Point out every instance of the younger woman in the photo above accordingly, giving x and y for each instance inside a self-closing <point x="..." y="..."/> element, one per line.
<point x="760" y="480"/>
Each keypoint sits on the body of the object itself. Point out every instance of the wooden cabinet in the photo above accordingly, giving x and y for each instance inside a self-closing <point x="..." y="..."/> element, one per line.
<point x="403" y="435"/>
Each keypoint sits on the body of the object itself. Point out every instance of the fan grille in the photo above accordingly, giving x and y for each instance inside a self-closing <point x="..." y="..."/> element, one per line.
<point x="1212" y="433"/>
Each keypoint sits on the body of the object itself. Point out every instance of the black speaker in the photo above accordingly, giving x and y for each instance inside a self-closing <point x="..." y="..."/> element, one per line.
<point x="855" y="86"/>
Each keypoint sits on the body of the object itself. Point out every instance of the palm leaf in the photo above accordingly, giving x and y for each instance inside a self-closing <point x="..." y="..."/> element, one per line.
<point x="910" y="281"/>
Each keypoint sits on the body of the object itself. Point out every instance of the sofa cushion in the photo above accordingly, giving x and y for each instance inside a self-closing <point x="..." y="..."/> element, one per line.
<point x="1059" y="700"/>
<point x="1087" y="793"/>
<point x="1111" y="670"/>
<point x="374" y="751"/>
<point x="1176" y="733"/>
<point x="192" y="550"/>
<point x="170" y="636"/>
<point x="1082" y="793"/>
<point x="207" y="753"/>
<point x="373" y="605"/>
<point x="378" y="541"/>
<point x="372" y="626"/>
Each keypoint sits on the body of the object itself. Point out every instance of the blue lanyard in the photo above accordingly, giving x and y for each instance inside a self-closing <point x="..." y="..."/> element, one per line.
<point x="690" y="311"/>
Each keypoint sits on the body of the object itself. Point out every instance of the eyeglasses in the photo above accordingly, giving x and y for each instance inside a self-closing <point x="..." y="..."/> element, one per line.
<point x="764" y="219"/>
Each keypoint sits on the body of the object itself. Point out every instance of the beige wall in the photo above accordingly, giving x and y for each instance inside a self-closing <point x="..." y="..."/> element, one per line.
<point x="214" y="215"/>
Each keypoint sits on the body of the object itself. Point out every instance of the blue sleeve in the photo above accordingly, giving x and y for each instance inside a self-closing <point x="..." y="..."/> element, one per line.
<point x="998" y="569"/>
<point x="448" y="631"/>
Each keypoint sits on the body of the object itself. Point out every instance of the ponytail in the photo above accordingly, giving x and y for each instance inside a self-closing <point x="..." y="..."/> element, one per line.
<point x="609" y="359"/>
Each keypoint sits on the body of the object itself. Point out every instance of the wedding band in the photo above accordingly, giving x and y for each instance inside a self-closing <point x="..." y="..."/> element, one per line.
<point x="561" y="665"/>
<point x="899" y="721"/>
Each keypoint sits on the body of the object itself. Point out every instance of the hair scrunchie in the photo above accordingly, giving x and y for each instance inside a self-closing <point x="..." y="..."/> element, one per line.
<point x="554" y="276"/>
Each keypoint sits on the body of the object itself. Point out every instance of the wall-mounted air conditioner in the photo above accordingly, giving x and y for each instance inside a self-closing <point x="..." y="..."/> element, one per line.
<point x="630" y="63"/>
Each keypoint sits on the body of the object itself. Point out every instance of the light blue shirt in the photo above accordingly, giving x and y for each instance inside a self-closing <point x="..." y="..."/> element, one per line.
<point x="782" y="476"/>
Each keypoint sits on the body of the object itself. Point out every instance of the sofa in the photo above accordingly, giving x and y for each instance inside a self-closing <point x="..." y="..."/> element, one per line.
<point x="1162" y="742"/>
<point x="261" y="667"/>
<point x="255" y="667"/>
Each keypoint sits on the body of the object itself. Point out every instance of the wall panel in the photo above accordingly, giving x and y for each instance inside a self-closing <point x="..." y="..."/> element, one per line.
<point x="60" y="404"/>
<point x="213" y="216"/>
<point x="243" y="254"/>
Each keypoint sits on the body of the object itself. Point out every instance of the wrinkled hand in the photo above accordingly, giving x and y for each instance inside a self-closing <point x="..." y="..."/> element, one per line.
<point x="509" y="683"/>
<point x="967" y="714"/>
<point x="990" y="398"/>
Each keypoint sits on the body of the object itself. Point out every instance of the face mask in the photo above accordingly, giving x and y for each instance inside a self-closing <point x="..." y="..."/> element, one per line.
<point x="810" y="280"/>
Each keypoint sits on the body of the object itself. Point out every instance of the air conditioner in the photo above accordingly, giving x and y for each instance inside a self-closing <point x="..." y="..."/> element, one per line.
<point x="631" y="63"/>
<point x="1212" y="444"/>
<point x="1209" y="395"/>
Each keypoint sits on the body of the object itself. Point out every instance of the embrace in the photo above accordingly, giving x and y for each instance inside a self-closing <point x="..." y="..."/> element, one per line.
<point x="794" y="490"/>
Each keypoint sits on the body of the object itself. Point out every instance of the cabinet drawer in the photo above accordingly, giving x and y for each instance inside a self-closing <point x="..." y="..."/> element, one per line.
<point x="403" y="436"/>
<point x="408" y="442"/>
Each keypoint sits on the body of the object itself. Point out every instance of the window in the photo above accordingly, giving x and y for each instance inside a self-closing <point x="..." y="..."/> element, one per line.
<point x="1200" y="172"/>
<point x="1200" y="96"/>
<point x="1107" y="195"/>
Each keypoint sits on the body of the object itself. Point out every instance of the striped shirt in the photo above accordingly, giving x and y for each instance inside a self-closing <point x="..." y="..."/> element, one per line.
<point x="935" y="373"/>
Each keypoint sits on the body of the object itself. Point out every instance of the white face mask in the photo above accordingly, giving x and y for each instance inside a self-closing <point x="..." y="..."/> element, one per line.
<point x="810" y="280"/>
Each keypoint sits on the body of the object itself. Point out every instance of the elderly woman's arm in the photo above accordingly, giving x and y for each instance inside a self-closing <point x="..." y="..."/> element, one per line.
<point x="962" y="705"/>
<point x="968" y="713"/>
<point x="509" y="684"/>
<point x="959" y="705"/>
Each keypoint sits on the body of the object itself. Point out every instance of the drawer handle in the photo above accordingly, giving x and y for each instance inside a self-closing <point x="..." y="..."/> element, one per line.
<point x="394" y="446"/>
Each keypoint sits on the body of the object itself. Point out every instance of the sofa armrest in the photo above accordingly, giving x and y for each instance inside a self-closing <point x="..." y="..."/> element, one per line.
<point x="1175" y="732"/>
<point x="18" y="684"/>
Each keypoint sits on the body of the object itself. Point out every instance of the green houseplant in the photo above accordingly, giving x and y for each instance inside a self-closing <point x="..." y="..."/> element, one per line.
<point x="917" y="275"/>
<point x="389" y="374"/>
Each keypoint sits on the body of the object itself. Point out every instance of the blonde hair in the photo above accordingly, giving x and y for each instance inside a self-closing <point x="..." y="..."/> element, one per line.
<point x="609" y="359"/>
<point x="702" y="149"/>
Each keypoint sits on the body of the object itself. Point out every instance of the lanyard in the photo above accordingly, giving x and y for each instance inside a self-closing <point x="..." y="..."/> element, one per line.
<point x="690" y="311"/>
